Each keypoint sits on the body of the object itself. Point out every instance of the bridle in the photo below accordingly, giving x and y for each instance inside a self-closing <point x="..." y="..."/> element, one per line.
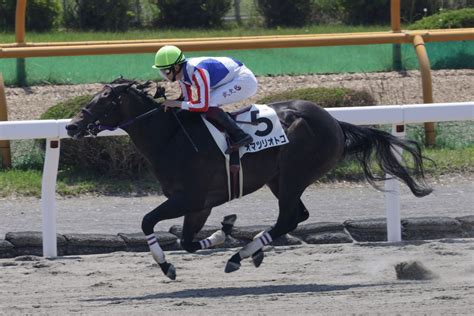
<point x="95" y="127"/>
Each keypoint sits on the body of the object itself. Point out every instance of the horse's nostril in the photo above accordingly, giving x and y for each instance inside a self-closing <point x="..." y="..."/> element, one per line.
<point x="72" y="127"/>
<point x="73" y="130"/>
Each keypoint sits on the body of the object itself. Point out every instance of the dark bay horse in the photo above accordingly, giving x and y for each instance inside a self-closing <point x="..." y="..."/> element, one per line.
<point x="195" y="181"/>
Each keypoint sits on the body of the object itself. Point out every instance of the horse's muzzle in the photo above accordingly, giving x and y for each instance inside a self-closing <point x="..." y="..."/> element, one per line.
<point x="73" y="131"/>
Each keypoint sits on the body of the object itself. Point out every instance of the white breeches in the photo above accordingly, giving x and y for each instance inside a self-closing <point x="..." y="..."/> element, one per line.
<point x="242" y="87"/>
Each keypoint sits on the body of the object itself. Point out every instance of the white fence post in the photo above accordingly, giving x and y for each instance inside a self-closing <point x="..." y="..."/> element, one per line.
<point x="392" y="195"/>
<point x="48" y="197"/>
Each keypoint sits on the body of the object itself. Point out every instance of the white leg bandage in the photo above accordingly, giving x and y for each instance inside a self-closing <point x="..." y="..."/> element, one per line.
<point x="215" y="239"/>
<point x="259" y="234"/>
<point x="155" y="249"/>
<point x="255" y="245"/>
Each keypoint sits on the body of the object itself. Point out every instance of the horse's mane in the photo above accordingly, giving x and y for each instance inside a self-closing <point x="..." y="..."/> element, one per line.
<point x="142" y="89"/>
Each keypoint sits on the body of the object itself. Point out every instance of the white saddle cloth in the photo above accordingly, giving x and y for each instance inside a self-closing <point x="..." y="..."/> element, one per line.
<point x="266" y="130"/>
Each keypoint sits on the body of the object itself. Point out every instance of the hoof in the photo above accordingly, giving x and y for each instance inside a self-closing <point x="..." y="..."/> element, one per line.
<point x="229" y="219"/>
<point x="228" y="224"/>
<point x="169" y="270"/>
<point x="231" y="267"/>
<point x="304" y="215"/>
<point x="233" y="264"/>
<point x="257" y="258"/>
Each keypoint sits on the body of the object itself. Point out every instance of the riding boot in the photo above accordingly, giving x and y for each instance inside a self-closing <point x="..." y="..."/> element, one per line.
<point x="237" y="136"/>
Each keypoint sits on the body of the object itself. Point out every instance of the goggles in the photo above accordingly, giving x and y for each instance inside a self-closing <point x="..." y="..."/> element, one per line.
<point x="166" y="72"/>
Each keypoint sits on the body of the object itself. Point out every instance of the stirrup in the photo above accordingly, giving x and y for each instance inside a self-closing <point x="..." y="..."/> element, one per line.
<point x="235" y="146"/>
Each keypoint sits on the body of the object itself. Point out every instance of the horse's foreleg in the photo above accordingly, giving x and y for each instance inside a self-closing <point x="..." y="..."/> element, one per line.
<point x="159" y="256"/>
<point x="171" y="208"/>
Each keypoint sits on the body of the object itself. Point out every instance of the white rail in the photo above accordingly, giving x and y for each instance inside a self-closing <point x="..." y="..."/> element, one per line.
<point x="54" y="130"/>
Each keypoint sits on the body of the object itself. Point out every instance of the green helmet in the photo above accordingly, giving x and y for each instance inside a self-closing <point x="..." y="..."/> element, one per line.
<point x="168" y="56"/>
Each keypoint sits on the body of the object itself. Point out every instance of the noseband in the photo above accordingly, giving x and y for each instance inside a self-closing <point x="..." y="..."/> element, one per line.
<point x="95" y="127"/>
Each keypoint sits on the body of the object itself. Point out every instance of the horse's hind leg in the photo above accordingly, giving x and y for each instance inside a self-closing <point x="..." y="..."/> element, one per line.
<point x="194" y="222"/>
<point x="291" y="212"/>
<point x="303" y="213"/>
<point x="296" y="173"/>
<point x="290" y="206"/>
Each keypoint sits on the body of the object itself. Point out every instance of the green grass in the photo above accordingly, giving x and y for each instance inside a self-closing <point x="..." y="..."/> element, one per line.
<point x="450" y="160"/>
<point x="17" y="182"/>
<point x="325" y="97"/>
<point x="20" y="182"/>
<point x="446" y="161"/>
<point x="453" y="153"/>
<point x="71" y="36"/>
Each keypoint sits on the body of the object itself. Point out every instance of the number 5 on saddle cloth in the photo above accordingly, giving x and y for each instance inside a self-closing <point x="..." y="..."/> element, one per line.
<point x="262" y="123"/>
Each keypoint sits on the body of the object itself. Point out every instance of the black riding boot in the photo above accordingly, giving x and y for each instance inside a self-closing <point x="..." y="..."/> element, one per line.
<point x="238" y="137"/>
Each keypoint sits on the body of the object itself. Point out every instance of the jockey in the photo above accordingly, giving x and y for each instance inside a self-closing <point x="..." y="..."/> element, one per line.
<point x="215" y="80"/>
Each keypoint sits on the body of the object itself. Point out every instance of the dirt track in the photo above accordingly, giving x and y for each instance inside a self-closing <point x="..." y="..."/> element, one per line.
<point x="299" y="280"/>
<point x="453" y="196"/>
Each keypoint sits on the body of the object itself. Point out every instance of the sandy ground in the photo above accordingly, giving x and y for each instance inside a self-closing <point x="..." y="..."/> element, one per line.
<point x="453" y="196"/>
<point x="299" y="280"/>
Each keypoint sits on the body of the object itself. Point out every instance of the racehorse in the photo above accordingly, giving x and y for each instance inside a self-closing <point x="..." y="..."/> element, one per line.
<point x="191" y="169"/>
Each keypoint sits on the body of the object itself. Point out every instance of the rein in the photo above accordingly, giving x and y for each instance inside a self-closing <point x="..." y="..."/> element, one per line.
<point x="129" y="122"/>
<point x="96" y="127"/>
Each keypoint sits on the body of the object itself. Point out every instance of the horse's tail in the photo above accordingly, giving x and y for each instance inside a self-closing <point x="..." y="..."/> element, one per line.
<point x="362" y="141"/>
